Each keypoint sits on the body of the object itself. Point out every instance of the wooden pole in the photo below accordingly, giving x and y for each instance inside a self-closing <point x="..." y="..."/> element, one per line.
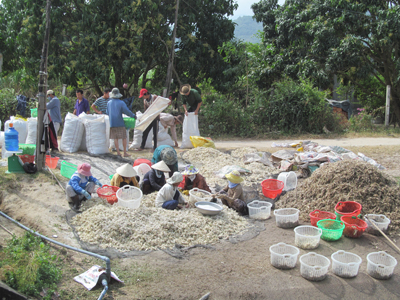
<point x="387" y="105"/>
<point x="172" y="54"/>
<point x="40" y="151"/>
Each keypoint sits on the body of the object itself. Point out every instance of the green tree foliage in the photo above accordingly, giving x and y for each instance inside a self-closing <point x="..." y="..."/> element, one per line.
<point x="92" y="40"/>
<point x="319" y="38"/>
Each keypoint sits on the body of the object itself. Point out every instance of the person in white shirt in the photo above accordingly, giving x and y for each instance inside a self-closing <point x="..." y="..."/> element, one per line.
<point x="168" y="120"/>
<point x="169" y="196"/>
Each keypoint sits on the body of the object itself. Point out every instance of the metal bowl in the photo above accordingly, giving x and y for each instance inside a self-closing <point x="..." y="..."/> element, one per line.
<point x="208" y="208"/>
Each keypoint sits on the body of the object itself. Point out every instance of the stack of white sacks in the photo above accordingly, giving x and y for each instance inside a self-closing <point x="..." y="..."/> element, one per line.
<point x="82" y="133"/>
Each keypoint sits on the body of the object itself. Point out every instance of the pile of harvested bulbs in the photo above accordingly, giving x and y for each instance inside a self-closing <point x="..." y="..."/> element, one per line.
<point x="151" y="228"/>
<point x="349" y="180"/>
<point x="209" y="161"/>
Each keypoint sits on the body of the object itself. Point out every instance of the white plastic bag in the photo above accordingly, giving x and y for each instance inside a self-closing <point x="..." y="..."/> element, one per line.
<point x="96" y="139"/>
<point x="20" y="126"/>
<point x="190" y="128"/>
<point x="72" y="134"/>
<point x="163" y="138"/>
<point x="137" y="136"/>
<point x="32" y="131"/>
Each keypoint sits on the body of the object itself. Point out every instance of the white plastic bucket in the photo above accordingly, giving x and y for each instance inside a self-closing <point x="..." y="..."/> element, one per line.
<point x="289" y="179"/>
<point x="129" y="196"/>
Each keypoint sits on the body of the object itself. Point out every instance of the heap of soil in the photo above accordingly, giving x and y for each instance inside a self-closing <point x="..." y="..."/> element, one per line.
<point x="349" y="180"/>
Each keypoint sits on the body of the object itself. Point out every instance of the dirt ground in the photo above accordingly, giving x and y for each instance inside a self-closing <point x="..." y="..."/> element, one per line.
<point x="228" y="270"/>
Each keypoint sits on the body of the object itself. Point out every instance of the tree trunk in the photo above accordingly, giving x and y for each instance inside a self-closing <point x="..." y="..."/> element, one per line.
<point x="395" y="101"/>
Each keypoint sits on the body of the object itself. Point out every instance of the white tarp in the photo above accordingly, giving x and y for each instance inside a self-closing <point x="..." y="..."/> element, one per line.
<point x="32" y="131"/>
<point x="72" y="134"/>
<point x="159" y="104"/>
<point x="96" y="139"/>
<point x="190" y="128"/>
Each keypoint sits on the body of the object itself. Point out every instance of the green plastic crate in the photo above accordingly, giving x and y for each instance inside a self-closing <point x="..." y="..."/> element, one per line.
<point x="28" y="149"/>
<point x="33" y="112"/>
<point x="68" y="169"/>
<point x="129" y="123"/>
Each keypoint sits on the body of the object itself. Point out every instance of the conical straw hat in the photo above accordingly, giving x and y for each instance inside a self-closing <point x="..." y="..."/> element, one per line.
<point x="126" y="170"/>
<point x="161" y="166"/>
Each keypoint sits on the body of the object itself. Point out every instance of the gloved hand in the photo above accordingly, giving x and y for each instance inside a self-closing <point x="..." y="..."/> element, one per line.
<point x="86" y="194"/>
<point x="98" y="183"/>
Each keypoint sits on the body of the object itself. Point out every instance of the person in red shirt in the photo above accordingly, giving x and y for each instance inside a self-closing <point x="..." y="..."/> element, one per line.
<point x="193" y="179"/>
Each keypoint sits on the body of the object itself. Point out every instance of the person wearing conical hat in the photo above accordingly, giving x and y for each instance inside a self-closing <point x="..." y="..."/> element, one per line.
<point x="154" y="180"/>
<point x="193" y="179"/>
<point x="125" y="175"/>
<point x="168" y="155"/>
<point x="232" y="195"/>
<point x="169" y="196"/>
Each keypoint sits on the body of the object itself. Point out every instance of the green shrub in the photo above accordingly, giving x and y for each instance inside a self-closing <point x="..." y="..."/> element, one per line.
<point x="361" y="121"/>
<point x="27" y="265"/>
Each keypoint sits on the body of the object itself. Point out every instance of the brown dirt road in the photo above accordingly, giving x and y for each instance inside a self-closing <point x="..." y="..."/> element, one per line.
<point x="230" y="269"/>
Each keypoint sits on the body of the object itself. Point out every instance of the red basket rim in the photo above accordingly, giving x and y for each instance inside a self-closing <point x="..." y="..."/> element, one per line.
<point x="273" y="180"/>
<point x="106" y="188"/>
<point x="346" y="219"/>
<point x="311" y="214"/>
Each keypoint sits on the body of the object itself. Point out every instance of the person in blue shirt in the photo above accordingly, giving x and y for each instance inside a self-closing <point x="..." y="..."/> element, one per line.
<point x="168" y="155"/>
<point x="54" y="108"/>
<point x="115" y="108"/>
<point x="81" y="186"/>
<point x="81" y="105"/>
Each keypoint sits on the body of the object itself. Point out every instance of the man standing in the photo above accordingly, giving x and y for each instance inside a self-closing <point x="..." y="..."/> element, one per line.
<point x="148" y="99"/>
<point x="171" y="121"/>
<point x="115" y="108"/>
<point x="100" y="105"/>
<point x="54" y="108"/>
<point x="192" y="98"/>
<point x="81" y="105"/>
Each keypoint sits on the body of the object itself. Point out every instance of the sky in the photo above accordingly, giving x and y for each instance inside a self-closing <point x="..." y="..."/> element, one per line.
<point x="244" y="8"/>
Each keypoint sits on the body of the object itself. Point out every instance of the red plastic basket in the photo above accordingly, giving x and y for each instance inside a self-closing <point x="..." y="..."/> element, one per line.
<point x="272" y="188"/>
<point x="25" y="158"/>
<point x="108" y="192"/>
<point x="51" y="162"/>
<point x="354" y="227"/>
<point x="141" y="161"/>
<point x="347" y="208"/>
<point x="317" y="215"/>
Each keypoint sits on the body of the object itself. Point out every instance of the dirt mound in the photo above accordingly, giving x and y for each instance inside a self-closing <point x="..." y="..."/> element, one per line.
<point x="347" y="181"/>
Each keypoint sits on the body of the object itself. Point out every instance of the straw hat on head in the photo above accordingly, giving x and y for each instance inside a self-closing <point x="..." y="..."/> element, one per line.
<point x="161" y="166"/>
<point x="84" y="169"/>
<point x="176" y="178"/>
<point x="234" y="177"/>
<point x="50" y="92"/>
<point x="126" y="170"/>
<point x="185" y="89"/>
<point x="190" y="170"/>
<point x="115" y="93"/>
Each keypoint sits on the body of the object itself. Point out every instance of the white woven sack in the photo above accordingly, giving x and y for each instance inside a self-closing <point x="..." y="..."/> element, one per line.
<point x="190" y="128"/>
<point x="20" y="126"/>
<point x="1" y="138"/>
<point x="107" y="121"/>
<point x="96" y="139"/>
<point x="32" y="131"/>
<point x="85" y="117"/>
<point x="163" y="138"/>
<point x="137" y="136"/>
<point x="72" y="134"/>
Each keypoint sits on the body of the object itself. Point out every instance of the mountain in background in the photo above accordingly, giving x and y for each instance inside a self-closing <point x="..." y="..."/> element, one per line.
<point x="246" y="28"/>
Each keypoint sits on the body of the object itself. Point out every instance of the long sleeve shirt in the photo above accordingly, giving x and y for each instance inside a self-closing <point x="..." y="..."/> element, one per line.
<point x="167" y="193"/>
<point x="54" y="106"/>
<point x="79" y="182"/>
<point x="115" y="109"/>
<point x="155" y="182"/>
<point x="169" y="120"/>
<point x="199" y="182"/>
<point x="235" y="193"/>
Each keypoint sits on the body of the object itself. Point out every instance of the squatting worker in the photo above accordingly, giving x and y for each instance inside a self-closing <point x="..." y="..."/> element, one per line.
<point x="115" y="108"/>
<point x="81" y="186"/>
<point x="100" y="105"/>
<point x="148" y="99"/>
<point x="125" y="175"/>
<point x="190" y="97"/>
<point x="168" y="120"/>
<point x="81" y="105"/>
<point x="168" y="155"/>
<point x="54" y="108"/>
<point x="169" y="196"/>
<point x="154" y="180"/>
<point x="232" y="195"/>
<point x="193" y="179"/>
